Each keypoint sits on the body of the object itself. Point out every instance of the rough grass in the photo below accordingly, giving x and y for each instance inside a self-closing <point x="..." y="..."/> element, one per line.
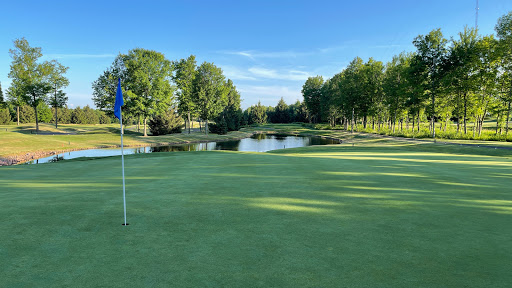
<point x="369" y="215"/>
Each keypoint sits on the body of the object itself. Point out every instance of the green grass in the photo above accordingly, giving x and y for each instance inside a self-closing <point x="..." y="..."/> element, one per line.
<point x="377" y="214"/>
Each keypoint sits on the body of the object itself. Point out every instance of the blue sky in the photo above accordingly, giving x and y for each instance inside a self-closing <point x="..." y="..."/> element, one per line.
<point x="268" y="48"/>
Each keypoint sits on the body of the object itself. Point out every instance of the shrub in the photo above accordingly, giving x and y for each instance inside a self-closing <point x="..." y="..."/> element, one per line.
<point x="5" y="116"/>
<point x="220" y="127"/>
<point x="27" y="114"/>
<point x="166" y="123"/>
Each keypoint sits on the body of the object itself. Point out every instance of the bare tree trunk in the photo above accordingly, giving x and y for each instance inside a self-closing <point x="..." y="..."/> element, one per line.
<point x="55" y="107"/>
<point x="481" y="124"/>
<point x="352" y="122"/>
<point x="138" y="124"/>
<point x="418" y="121"/>
<point x="483" y="119"/>
<point x="18" y="115"/>
<point x="465" y="114"/>
<point x="145" y="131"/>
<point x="433" y="117"/>
<point x="37" y="119"/>
<point x="508" y="117"/>
<point x="188" y="122"/>
<point x="497" y="122"/>
<point x="206" y="127"/>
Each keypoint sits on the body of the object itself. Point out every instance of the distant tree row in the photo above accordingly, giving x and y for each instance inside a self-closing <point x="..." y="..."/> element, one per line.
<point x="46" y="114"/>
<point x="281" y="113"/>
<point x="462" y="79"/>
<point x="154" y="87"/>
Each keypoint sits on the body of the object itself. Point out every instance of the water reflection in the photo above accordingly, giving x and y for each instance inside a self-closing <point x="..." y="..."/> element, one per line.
<point x="256" y="143"/>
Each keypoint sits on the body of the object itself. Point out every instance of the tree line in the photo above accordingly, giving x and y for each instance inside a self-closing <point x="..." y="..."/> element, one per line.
<point x="46" y="114"/>
<point x="281" y="113"/>
<point x="467" y="78"/>
<point x="164" y="91"/>
<point x="155" y="89"/>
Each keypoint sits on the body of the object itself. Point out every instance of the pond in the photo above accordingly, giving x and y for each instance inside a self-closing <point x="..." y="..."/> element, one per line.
<point x="256" y="143"/>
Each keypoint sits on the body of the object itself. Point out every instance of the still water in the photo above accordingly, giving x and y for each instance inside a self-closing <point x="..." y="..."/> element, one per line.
<point x="256" y="143"/>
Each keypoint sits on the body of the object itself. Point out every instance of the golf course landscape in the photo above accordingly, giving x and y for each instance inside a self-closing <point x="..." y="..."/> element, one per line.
<point x="256" y="144"/>
<point x="370" y="212"/>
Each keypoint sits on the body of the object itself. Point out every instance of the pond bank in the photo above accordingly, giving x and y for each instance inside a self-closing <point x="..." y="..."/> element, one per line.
<point x="24" y="157"/>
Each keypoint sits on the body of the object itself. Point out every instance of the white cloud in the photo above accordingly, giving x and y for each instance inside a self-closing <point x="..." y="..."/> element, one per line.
<point x="291" y="75"/>
<point x="235" y="73"/>
<point x="332" y="49"/>
<point x="269" y="54"/>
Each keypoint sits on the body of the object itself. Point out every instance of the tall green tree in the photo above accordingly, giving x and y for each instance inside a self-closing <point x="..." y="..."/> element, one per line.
<point x="312" y="93"/>
<point x="148" y="78"/>
<point x="504" y="32"/>
<point x="29" y="77"/>
<point x="395" y="85"/>
<point x="258" y="113"/>
<point x="351" y="93"/>
<point x="184" y="74"/>
<point x="415" y="87"/>
<point x="232" y="112"/>
<point x="297" y="112"/>
<point x="330" y="101"/>
<point x="431" y="54"/>
<point x="371" y="95"/>
<point x="58" y="81"/>
<point x="209" y="92"/>
<point x="15" y="98"/>
<point x="105" y="87"/>
<point x="281" y="112"/>
<point x="488" y="69"/>
<point x="462" y="64"/>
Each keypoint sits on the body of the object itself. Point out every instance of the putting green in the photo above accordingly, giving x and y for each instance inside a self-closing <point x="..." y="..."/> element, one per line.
<point x="343" y="216"/>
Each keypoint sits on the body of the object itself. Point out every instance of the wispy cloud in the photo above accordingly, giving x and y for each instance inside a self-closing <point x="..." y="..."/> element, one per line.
<point x="332" y="49"/>
<point x="79" y="56"/>
<point x="253" y="54"/>
<point x="268" y="54"/>
<point x="235" y="73"/>
<point x="291" y="75"/>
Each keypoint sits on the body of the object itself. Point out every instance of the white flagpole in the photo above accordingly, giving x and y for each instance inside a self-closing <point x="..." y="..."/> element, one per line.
<point x="122" y="161"/>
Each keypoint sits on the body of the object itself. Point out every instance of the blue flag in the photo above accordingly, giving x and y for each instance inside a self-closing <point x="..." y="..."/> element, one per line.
<point x="119" y="100"/>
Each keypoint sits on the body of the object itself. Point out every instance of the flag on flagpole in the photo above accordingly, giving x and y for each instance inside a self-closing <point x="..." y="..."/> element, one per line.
<point x="117" y="113"/>
<point x="119" y="100"/>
